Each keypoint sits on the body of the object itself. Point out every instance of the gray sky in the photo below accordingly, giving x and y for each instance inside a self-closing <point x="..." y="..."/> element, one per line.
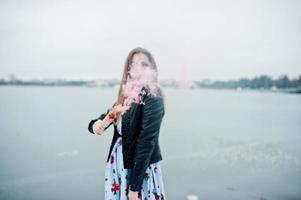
<point x="191" y="39"/>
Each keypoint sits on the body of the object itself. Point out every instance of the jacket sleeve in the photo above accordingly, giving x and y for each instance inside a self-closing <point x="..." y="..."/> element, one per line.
<point x="101" y="117"/>
<point x="151" y="117"/>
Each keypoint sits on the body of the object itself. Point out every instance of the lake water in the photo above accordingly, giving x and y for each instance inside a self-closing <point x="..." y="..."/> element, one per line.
<point x="216" y="144"/>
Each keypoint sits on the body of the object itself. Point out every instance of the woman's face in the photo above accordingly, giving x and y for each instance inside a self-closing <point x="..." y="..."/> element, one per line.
<point x="139" y="62"/>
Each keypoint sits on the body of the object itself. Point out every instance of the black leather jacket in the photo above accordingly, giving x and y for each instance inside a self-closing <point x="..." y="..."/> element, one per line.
<point x="140" y="133"/>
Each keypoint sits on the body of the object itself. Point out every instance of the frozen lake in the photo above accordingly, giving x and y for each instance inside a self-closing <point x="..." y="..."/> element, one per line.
<point x="216" y="144"/>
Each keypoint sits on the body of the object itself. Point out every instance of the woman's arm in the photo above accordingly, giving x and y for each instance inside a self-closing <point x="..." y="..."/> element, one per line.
<point x="151" y="117"/>
<point x="101" y="117"/>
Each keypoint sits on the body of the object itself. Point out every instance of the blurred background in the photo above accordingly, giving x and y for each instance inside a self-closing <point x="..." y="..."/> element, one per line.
<point x="230" y="71"/>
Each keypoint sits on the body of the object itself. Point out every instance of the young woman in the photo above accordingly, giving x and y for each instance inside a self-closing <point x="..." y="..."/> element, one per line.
<point x="133" y="168"/>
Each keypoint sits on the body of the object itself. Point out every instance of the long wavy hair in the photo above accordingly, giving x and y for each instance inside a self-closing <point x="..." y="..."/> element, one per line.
<point x="126" y="70"/>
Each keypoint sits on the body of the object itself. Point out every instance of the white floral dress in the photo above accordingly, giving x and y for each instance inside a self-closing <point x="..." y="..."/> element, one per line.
<point x="117" y="177"/>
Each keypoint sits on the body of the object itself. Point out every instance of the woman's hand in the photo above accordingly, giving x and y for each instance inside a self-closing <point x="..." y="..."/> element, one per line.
<point x="99" y="125"/>
<point x="133" y="195"/>
<point x="98" y="129"/>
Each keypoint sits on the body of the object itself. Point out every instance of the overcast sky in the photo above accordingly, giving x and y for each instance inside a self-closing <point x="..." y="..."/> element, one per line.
<point x="191" y="39"/>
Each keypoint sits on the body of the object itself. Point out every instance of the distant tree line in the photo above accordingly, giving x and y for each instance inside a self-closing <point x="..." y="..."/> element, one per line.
<point x="262" y="81"/>
<point x="282" y="83"/>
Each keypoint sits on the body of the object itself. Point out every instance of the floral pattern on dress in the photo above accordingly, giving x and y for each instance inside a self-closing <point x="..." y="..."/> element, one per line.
<point x="117" y="177"/>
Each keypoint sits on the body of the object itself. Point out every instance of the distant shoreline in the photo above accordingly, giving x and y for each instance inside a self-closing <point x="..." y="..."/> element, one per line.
<point x="282" y="84"/>
<point x="287" y="90"/>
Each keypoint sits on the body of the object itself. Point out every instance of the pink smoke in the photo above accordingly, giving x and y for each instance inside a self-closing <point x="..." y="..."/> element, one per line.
<point x="140" y="82"/>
